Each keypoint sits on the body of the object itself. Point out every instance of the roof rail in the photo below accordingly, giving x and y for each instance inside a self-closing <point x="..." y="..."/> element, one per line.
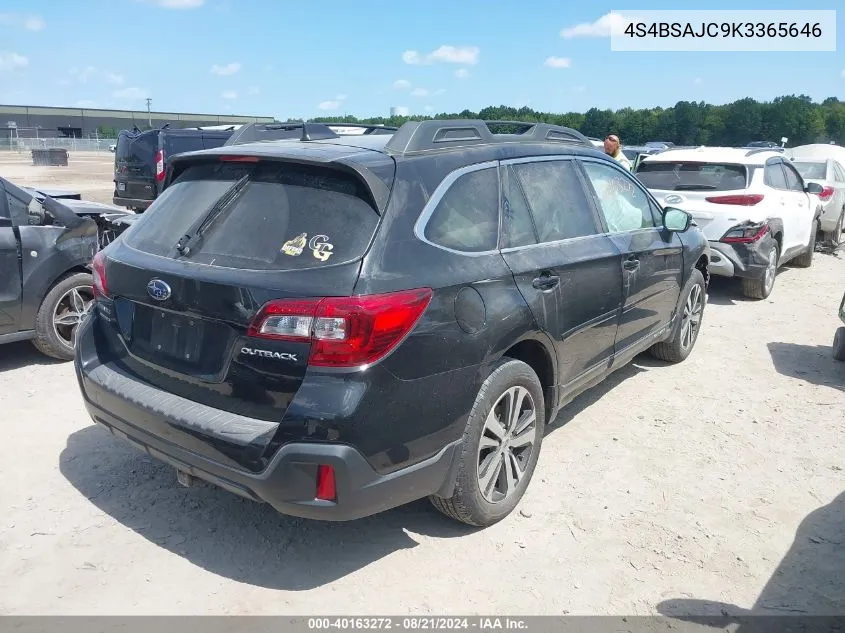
<point x="422" y="136"/>
<point x="299" y="130"/>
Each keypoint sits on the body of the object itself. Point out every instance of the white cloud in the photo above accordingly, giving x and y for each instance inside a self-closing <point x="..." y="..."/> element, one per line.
<point x="229" y="94"/>
<point x="12" y="61"/>
<point x="86" y="103"/>
<point x="228" y="69"/>
<point x="29" y="22"/>
<point x="462" y="73"/>
<point x="605" y="26"/>
<point x="842" y="74"/>
<point x="580" y="88"/>
<point x="438" y="92"/>
<point x="92" y="73"/>
<point x="429" y="108"/>
<point x="402" y="84"/>
<point x="698" y="81"/>
<point x="130" y="94"/>
<point x="400" y="110"/>
<point x="253" y="90"/>
<point x="329" y="105"/>
<point x="445" y="54"/>
<point x="419" y="92"/>
<point x="558" y="62"/>
<point x="114" y="78"/>
<point x="176" y="4"/>
<point x="341" y="97"/>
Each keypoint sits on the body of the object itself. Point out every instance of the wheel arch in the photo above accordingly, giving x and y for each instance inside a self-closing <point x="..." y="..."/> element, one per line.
<point x="540" y="356"/>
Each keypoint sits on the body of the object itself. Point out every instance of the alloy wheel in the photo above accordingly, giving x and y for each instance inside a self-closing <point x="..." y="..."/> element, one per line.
<point x="691" y="319"/>
<point x="507" y="444"/>
<point x="71" y="310"/>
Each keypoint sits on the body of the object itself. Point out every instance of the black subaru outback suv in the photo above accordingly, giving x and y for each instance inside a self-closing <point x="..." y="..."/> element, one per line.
<point x="341" y="325"/>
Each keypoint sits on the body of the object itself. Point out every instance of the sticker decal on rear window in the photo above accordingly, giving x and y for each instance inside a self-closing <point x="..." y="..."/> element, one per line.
<point x="320" y="246"/>
<point x="295" y="246"/>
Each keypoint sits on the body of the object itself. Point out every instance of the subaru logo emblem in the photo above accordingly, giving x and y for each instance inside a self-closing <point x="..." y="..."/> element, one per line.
<point x="158" y="290"/>
<point x="673" y="199"/>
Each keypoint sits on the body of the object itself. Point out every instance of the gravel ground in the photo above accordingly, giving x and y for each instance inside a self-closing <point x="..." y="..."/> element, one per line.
<point x="665" y="489"/>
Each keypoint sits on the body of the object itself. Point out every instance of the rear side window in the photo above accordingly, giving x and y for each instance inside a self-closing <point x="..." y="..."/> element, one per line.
<point x="467" y="216"/>
<point x="839" y="172"/>
<point x="557" y="200"/>
<point x="283" y="217"/>
<point x="774" y="176"/>
<point x="691" y="176"/>
<point x="811" y="171"/>
<point x="176" y="144"/>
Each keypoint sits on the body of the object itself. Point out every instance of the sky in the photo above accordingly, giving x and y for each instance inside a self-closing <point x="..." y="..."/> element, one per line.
<point x="301" y="59"/>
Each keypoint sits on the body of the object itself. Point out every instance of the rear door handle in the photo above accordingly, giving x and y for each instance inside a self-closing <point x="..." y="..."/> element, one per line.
<point x="631" y="264"/>
<point x="546" y="282"/>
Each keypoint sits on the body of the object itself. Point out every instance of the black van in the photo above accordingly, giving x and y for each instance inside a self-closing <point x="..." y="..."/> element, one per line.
<point x="140" y="160"/>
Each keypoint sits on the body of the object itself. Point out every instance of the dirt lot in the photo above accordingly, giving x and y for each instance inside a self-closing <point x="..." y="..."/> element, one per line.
<point x="665" y="484"/>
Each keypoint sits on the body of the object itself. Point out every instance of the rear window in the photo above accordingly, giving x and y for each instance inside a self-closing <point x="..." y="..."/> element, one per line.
<point x="816" y="171"/>
<point x="140" y="148"/>
<point x="177" y="143"/>
<point x="690" y="176"/>
<point x="283" y="217"/>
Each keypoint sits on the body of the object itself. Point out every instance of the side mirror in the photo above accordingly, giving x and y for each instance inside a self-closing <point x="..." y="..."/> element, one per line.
<point x="814" y="187"/>
<point x="676" y="220"/>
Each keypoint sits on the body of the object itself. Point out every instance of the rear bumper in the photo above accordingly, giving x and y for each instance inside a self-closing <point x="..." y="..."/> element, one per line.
<point x="132" y="203"/>
<point x="287" y="482"/>
<point x="738" y="260"/>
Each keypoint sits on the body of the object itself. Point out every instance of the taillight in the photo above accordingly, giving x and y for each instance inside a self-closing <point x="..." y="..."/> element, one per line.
<point x="98" y="266"/>
<point x="745" y="200"/>
<point x="326" y="483"/>
<point x="239" y="159"/>
<point x="343" y="331"/>
<point x="826" y="194"/>
<point x="160" y="165"/>
<point x="745" y="234"/>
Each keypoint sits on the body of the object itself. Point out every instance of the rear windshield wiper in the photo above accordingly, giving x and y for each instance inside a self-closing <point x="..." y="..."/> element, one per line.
<point x="186" y="242"/>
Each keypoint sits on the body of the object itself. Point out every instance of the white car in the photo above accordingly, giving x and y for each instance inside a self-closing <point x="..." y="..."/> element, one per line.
<point x="825" y="164"/>
<point x="752" y="205"/>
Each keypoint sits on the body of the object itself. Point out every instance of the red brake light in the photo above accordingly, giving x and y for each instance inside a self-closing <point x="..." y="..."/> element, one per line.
<point x="326" y="484"/>
<point x="98" y="266"/>
<point x="343" y="331"/>
<point x="745" y="234"/>
<point x="826" y="193"/>
<point x="745" y="200"/>
<point x="160" y="165"/>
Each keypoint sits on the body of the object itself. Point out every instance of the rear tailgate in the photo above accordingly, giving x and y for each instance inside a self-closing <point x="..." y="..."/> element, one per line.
<point x="134" y="165"/>
<point x="179" y="321"/>
<point x="714" y="194"/>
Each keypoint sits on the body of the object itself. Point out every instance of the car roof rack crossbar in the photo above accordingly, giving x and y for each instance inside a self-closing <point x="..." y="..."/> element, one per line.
<point x="421" y="136"/>
<point x="369" y="128"/>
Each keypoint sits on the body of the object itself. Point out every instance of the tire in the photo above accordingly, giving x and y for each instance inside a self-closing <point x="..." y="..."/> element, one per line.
<point x="686" y="330"/>
<point x="761" y="287"/>
<point x="805" y="259"/>
<point x="70" y="299"/>
<point x="839" y="344"/>
<point x="835" y="236"/>
<point x="469" y="504"/>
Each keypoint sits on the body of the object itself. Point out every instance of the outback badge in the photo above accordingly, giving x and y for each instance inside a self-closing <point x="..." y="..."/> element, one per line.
<point x="158" y="290"/>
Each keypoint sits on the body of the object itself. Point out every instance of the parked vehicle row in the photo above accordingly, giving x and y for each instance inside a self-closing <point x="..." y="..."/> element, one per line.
<point x="337" y="325"/>
<point x="754" y="207"/>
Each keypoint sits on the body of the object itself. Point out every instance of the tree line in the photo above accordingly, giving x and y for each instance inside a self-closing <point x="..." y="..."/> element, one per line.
<point x="798" y="118"/>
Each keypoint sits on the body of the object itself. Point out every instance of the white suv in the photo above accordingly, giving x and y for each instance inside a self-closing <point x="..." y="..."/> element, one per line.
<point x="752" y="205"/>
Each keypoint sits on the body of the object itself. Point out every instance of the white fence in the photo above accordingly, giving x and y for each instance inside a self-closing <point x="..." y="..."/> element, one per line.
<point x="70" y="144"/>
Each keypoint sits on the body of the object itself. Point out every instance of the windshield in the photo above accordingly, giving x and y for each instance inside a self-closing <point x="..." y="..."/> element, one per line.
<point x="689" y="176"/>
<point x="814" y="171"/>
<point x="279" y="217"/>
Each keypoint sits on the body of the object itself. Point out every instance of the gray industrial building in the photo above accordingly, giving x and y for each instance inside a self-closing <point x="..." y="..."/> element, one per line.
<point x="39" y="121"/>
